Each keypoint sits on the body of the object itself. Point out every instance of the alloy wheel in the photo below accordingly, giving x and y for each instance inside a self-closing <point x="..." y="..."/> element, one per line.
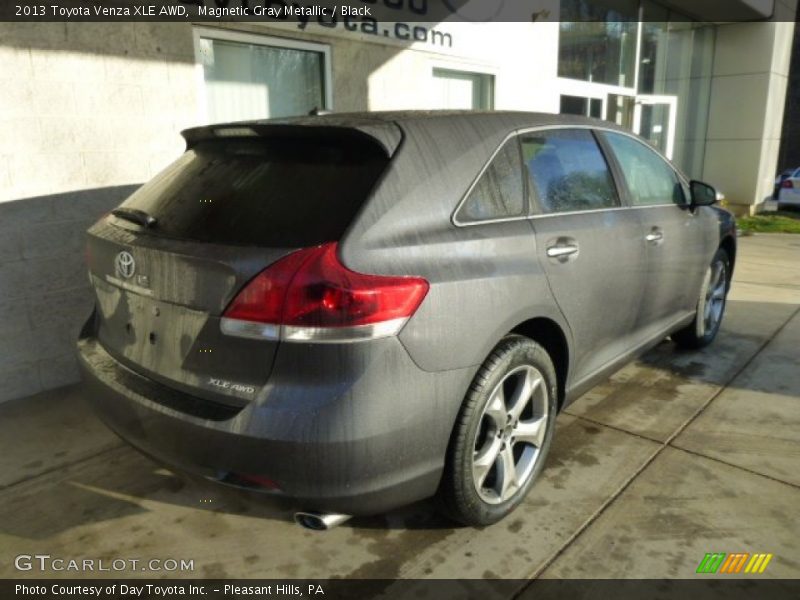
<point x="512" y="430"/>
<point x="715" y="296"/>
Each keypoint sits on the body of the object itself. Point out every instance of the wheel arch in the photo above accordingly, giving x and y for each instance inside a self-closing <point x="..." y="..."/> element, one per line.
<point x="553" y="339"/>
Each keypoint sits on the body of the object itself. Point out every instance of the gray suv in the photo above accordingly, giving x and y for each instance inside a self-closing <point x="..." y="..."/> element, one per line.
<point x="358" y="311"/>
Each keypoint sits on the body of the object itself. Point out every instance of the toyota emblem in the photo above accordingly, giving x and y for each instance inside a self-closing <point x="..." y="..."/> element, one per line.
<point x="125" y="264"/>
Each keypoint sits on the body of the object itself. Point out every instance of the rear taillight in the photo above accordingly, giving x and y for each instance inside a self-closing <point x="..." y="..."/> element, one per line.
<point x="788" y="184"/>
<point x="310" y="296"/>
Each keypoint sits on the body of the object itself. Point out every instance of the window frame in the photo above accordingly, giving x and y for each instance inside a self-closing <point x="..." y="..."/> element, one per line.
<point x="255" y="39"/>
<point x="616" y="172"/>
<point x="602" y="139"/>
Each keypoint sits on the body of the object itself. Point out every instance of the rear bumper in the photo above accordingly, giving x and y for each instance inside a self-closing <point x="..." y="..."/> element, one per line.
<point x="786" y="196"/>
<point x="357" y="430"/>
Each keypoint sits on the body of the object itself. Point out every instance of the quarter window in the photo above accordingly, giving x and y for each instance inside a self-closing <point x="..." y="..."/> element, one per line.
<point x="499" y="193"/>
<point x="568" y="171"/>
<point x="651" y="181"/>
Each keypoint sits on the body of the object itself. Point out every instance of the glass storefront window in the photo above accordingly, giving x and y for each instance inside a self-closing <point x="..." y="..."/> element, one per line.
<point x="654" y="45"/>
<point x="668" y="90"/>
<point x="676" y="60"/>
<point x="598" y="41"/>
<point x="579" y="105"/>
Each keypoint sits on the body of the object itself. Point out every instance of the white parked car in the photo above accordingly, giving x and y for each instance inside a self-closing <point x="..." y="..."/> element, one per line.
<point x="789" y="193"/>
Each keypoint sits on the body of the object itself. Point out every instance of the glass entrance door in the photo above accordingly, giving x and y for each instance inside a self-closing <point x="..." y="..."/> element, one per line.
<point x="655" y="119"/>
<point x="652" y="116"/>
<point x="621" y="109"/>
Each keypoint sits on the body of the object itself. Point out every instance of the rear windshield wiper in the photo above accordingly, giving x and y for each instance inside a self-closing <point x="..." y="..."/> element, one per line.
<point x="134" y="215"/>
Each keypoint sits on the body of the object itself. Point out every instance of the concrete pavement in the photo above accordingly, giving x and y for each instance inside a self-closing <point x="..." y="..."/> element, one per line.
<point x="676" y="455"/>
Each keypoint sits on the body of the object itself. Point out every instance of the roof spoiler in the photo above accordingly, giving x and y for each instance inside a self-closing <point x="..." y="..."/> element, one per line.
<point x="387" y="135"/>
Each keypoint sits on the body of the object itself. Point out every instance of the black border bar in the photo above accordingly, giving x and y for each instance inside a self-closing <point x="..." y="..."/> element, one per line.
<point x="429" y="11"/>
<point x="731" y="588"/>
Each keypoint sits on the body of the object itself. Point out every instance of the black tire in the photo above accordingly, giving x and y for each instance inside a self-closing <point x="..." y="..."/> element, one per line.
<point x="514" y="358"/>
<point x="699" y="333"/>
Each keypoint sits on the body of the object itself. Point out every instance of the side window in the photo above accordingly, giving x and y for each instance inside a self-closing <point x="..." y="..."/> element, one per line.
<point x="499" y="193"/>
<point x="568" y="171"/>
<point x="651" y="180"/>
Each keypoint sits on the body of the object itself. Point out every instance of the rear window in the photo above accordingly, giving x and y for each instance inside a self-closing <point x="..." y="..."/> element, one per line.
<point x="263" y="191"/>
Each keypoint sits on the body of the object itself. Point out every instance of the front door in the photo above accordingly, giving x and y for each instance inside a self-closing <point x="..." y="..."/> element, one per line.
<point x="589" y="245"/>
<point x="673" y="234"/>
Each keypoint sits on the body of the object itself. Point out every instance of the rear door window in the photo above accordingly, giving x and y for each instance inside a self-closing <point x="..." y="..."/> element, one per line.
<point x="568" y="171"/>
<point x="499" y="193"/>
<point x="273" y="192"/>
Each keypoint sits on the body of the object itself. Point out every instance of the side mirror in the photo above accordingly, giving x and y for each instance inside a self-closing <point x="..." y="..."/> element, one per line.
<point x="703" y="194"/>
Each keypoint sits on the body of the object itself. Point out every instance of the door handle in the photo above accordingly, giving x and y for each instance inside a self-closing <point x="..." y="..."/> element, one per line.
<point x="562" y="250"/>
<point x="655" y="236"/>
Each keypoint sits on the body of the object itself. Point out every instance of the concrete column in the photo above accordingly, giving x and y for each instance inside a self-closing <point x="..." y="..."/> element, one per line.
<point x="748" y="91"/>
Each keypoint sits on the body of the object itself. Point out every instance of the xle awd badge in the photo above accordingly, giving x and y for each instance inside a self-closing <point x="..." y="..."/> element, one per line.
<point x="230" y="385"/>
<point x="125" y="265"/>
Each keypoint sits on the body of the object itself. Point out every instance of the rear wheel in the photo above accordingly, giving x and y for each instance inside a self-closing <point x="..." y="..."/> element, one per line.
<point x="711" y="306"/>
<point x="502" y="434"/>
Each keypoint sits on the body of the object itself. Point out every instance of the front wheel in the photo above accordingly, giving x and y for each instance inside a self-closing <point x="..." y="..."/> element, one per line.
<point x="711" y="306"/>
<point x="502" y="434"/>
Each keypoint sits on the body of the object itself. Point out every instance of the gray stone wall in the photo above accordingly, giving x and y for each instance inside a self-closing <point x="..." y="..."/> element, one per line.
<point x="44" y="292"/>
<point x="88" y="112"/>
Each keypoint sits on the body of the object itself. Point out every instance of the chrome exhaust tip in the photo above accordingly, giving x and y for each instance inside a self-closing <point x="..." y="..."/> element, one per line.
<point x="319" y="521"/>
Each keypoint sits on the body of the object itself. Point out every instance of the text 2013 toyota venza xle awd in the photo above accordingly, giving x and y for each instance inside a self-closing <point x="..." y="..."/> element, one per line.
<point x="361" y="311"/>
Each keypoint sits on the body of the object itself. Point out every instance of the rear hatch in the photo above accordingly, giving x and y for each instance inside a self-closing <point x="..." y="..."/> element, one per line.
<point x="168" y="261"/>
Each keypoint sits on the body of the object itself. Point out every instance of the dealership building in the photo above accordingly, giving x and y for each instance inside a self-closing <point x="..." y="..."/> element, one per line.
<point x="91" y="110"/>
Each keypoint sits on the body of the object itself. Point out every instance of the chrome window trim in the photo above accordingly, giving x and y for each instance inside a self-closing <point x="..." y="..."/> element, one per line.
<point x="530" y="217"/>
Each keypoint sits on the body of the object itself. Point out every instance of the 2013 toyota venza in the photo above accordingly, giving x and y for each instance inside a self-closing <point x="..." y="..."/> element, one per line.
<point x="359" y="311"/>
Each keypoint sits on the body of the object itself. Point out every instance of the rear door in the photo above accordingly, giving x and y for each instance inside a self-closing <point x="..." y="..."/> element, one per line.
<point x="166" y="264"/>
<point x="589" y="244"/>
<point x="676" y="238"/>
